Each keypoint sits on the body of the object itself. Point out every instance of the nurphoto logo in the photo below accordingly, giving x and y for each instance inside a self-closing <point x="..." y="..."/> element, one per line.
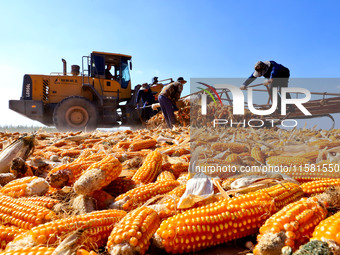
<point x="238" y="101"/>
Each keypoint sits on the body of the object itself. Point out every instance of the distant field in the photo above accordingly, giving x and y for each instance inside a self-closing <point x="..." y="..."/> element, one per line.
<point x="29" y="129"/>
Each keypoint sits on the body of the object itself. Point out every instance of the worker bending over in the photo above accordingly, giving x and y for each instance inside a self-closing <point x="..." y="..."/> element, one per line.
<point x="168" y="97"/>
<point x="145" y="94"/>
<point x="277" y="77"/>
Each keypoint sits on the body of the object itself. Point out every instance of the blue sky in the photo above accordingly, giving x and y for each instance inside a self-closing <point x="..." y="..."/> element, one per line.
<point x="186" y="38"/>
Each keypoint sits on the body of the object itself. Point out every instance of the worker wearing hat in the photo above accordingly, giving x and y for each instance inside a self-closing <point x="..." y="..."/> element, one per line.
<point x="168" y="97"/>
<point x="147" y="98"/>
<point x="276" y="74"/>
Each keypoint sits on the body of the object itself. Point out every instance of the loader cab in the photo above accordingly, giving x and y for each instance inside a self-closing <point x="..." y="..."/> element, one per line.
<point x="120" y="67"/>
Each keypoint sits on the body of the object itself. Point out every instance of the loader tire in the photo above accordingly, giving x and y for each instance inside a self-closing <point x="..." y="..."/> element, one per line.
<point x="75" y="114"/>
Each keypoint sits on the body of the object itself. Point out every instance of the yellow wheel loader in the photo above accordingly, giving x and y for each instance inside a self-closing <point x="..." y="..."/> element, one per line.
<point x="98" y="96"/>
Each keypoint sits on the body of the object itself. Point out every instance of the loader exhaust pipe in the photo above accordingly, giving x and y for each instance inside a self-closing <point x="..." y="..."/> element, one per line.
<point x="64" y="66"/>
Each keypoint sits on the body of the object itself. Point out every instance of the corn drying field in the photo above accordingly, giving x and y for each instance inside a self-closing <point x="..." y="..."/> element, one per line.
<point x="257" y="191"/>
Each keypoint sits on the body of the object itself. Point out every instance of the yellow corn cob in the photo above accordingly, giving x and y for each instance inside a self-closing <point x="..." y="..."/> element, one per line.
<point x="23" y="215"/>
<point x="143" y="144"/>
<point x="66" y="175"/>
<point x="232" y="159"/>
<point x="46" y="202"/>
<point x="150" y="169"/>
<point x="179" y="168"/>
<point x="98" y="175"/>
<point x="287" y="161"/>
<point x="307" y="174"/>
<point x="293" y="226"/>
<point x="165" y="175"/>
<point x="30" y="251"/>
<point x="138" y="196"/>
<point x="225" y="220"/>
<point x="316" y="187"/>
<point x="85" y="252"/>
<point x="26" y="186"/>
<point x="8" y="233"/>
<point x="96" y="225"/>
<point x="258" y="155"/>
<point x="123" y="144"/>
<point x="328" y="229"/>
<point x="133" y="233"/>
<point x="233" y="147"/>
<point x="168" y="207"/>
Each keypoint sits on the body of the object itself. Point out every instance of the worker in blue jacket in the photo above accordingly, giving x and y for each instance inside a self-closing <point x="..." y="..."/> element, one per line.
<point x="276" y="74"/>
<point x="146" y="96"/>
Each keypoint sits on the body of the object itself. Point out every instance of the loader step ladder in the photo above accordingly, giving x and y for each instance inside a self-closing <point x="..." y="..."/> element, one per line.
<point x="110" y="109"/>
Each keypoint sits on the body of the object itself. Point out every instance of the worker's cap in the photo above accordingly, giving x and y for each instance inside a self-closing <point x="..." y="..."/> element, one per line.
<point x="181" y="80"/>
<point x="261" y="68"/>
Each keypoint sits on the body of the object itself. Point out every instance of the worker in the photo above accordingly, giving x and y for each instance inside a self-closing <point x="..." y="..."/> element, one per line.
<point x="276" y="74"/>
<point x="145" y="94"/>
<point x="154" y="80"/>
<point x="108" y="74"/>
<point x="168" y="97"/>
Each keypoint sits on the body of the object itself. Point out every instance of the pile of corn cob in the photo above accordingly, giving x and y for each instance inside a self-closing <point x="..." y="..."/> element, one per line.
<point x="118" y="192"/>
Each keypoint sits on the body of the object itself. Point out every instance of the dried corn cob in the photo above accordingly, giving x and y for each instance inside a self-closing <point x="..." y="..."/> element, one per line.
<point x="30" y="251"/>
<point x="8" y="233"/>
<point x="25" y="187"/>
<point x="257" y="154"/>
<point x="316" y="187"/>
<point x="96" y="227"/>
<point x="103" y="199"/>
<point x="233" y="147"/>
<point x="133" y="233"/>
<point x="66" y="175"/>
<point x="150" y="169"/>
<point x="124" y="144"/>
<point x="324" y="143"/>
<point x="138" y="196"/>
<point x="223" y="221"/>
<point x="120" y="186"/>
<point x="22" y="148"/>
<point x="287" y="161"/>
<point x="307" y="174"/>
<point x="179" y="168"/>
<point x="43" y="201"/>
<point x="144" y="144"/>
<point x="165" y="175"/>
<point x="166" y="207"/>
<point x="233" y="159"/>
<point x="180" y="152"/>
<point x="312" y="156"/>
<point x="73" y="153"/>
<point x="293" y="226"/>
<point x="23" y="215"/>
<point x="98" y="175"/>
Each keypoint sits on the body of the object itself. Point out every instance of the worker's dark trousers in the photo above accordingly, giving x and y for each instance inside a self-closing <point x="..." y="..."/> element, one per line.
<point x="279" y="83"/>
<point x="168" y="110"/>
